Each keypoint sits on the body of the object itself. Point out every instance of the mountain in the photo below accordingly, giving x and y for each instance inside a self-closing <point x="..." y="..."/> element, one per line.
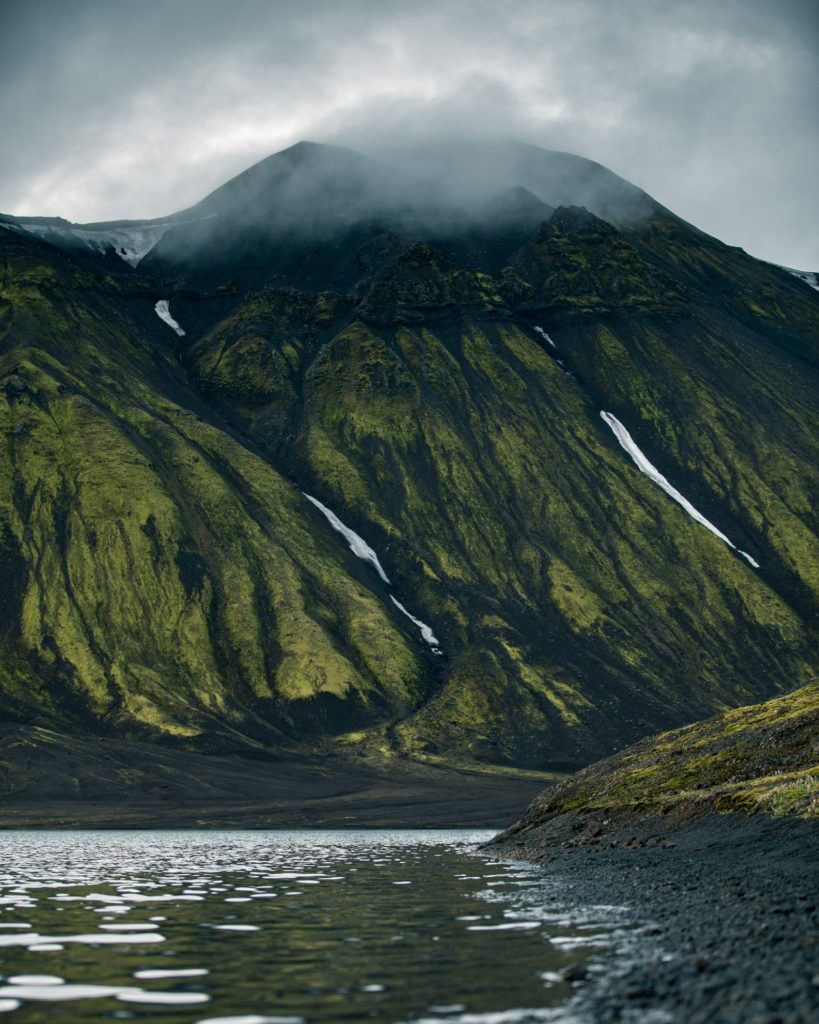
<point x="310" y="190"/>
<point x="461" y="455"/>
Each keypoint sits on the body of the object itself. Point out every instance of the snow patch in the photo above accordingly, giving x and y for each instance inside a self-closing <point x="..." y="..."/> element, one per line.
<point x="129" y="243"/>
<point x="808" y="276"/>
<point x="426" y="633"/>
<point x="545" y="336"/>
<point x="163" y="311"/>
<point x="628" y="445"/>
<point x="359" y="547"/>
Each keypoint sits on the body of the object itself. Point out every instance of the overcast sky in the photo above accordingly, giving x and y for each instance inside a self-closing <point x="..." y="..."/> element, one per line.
<point x="113" y="108"/>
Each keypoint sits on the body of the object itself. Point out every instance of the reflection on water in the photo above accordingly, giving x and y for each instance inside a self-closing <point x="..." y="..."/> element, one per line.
<point x="281" y="927"/>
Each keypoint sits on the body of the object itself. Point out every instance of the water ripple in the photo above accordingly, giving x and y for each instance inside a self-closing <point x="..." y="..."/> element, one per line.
<point x="284" y="928"/>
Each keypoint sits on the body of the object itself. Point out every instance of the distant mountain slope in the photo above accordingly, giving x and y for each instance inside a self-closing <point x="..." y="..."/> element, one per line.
<point x="432" y="374"/>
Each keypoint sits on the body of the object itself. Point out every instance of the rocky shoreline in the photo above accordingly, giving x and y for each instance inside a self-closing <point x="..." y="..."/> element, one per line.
<point x="726" y="906"/>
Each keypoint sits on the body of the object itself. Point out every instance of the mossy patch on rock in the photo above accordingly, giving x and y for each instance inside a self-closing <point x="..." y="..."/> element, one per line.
<point x="757" y="759"/>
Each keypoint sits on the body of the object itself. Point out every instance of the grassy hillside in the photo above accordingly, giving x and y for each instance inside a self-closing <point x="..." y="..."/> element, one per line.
<point x="758" y="759"/>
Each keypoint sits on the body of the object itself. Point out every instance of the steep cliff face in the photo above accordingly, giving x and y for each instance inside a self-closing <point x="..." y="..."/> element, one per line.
<point x="436" y="383"/>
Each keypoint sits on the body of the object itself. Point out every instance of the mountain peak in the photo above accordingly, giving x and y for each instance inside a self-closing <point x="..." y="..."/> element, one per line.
<point x="518" y="204"/>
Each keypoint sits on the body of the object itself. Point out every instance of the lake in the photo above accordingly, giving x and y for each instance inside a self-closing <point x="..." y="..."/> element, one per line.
<point x="284" y="927"/>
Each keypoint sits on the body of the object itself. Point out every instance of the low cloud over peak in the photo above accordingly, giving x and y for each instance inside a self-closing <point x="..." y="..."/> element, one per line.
<point x="125" y="110"/>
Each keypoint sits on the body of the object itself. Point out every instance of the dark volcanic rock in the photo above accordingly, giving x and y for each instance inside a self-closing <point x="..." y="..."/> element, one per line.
<point x="729" y="920"/>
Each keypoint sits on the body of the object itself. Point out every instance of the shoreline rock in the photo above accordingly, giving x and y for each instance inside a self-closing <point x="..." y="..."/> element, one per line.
<point x="728" y="912"/>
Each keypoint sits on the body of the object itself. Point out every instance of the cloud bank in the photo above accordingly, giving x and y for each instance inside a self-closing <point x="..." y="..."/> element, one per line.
<point x="113" y="109"/>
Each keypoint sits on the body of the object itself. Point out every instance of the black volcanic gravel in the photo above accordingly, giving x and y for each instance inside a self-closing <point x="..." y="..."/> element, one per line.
<point x="730" y="912"/>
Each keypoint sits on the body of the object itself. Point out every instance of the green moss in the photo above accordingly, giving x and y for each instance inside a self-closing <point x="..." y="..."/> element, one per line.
<point x="577" y="603"/>
<point x="759" y="467"/>
<point x="174" y="580"/>
<point x="798" y="794"/>
<point x="759" y="758"/>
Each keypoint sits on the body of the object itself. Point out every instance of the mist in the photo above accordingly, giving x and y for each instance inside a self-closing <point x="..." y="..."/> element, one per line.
<point x="432" y="187"/>
<point x="125" y="111"/>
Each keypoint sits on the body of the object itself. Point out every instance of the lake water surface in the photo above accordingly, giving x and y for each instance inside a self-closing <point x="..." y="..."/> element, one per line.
<point x="287" y="927"/>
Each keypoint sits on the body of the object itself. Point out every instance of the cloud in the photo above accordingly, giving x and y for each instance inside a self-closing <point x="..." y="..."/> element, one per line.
<point x="127" y="110"/>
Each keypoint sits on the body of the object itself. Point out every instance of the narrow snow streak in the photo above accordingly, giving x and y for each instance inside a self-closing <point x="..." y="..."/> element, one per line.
<point x="359" y="547"/>
<point x="163" y="311"/>
<point x="627" y="444"/>
<point x="426" y="633"/>
<point x="543" y="334"/>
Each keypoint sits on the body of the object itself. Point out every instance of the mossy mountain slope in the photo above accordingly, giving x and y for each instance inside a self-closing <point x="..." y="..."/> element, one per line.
<point x="758" y="759"/>
<point x="171" y="577"/>
<point x="161" y="576"/>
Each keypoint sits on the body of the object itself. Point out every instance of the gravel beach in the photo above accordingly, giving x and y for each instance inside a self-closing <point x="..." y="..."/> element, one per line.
<point x="729" y="912"/>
